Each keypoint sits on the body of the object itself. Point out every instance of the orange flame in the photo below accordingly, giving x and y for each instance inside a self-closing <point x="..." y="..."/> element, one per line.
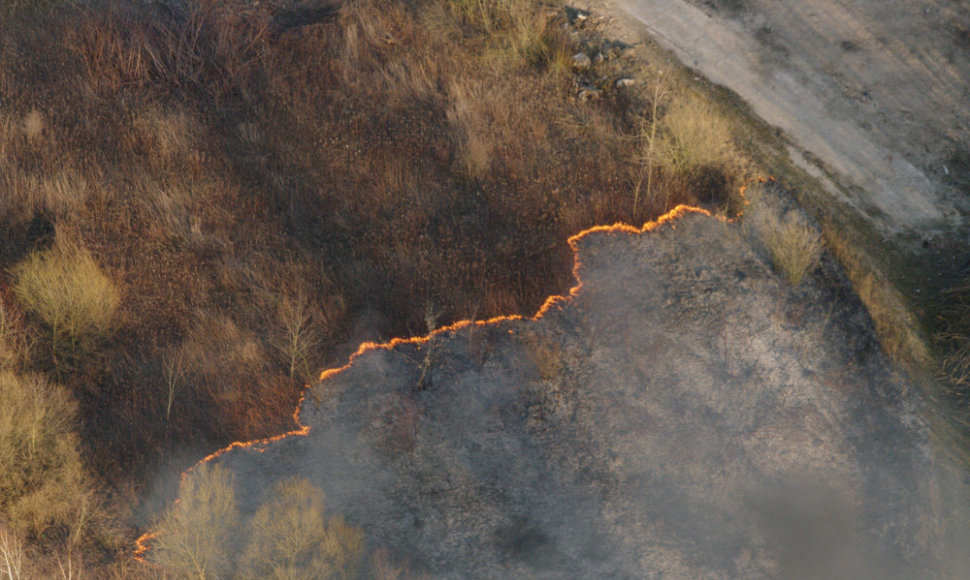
<point x="744" y="188"/>
<point x="142" y="543"/>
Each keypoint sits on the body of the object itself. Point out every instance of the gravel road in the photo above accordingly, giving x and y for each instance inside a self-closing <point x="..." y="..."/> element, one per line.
<point x="873" y="95"/>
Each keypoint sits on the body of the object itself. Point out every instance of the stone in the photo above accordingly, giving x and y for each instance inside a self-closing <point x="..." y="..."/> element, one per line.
<point x="588" y="93"/>
<point x="581" y="61"/>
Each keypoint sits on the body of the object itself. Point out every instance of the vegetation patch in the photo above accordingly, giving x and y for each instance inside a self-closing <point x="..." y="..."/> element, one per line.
<point x="203" y="534"/>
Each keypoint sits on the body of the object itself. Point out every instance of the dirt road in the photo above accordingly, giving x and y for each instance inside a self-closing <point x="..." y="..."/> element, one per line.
<point x="876" y="93"/>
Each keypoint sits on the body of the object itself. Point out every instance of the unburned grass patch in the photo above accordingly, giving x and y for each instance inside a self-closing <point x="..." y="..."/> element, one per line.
<point x="794" y="245"/>
<point x="897" y="328"/>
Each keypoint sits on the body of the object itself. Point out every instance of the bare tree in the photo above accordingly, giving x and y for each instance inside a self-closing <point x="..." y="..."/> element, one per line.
<point x="297" y="338"/>
<point x="291" y="538"/>
<point x="174" y="370"/>
<point x="196" y="535"/>
<point x="12" y="556"/>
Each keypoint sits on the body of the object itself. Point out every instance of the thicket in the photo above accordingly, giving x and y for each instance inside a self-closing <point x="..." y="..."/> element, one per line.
<point x="203" y="535"/>
<point x="64" y="286"/>
<point x="205" y="201"/>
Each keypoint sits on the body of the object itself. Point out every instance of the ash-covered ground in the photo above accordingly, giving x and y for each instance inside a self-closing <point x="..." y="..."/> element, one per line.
<point x="687" y="414"/>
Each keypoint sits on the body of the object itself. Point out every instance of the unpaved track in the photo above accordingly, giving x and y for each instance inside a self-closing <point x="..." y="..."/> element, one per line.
<point x="878" y="92"/>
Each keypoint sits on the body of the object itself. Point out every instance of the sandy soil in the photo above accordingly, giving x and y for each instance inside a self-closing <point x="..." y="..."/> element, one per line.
<point x="873" y="95"/>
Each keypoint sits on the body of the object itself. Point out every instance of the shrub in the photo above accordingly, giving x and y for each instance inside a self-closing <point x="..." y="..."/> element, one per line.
<point x="694" y="136"/>
<point x="291" y="538"/>
<point x="795" y="247"/>
<point x="67" y="289"/>
<point x="43" y="484"/>
<point x="195" y="536"/>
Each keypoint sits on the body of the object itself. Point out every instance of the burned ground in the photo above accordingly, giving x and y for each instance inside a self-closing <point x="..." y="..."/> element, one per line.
<point x="685" y="414"/>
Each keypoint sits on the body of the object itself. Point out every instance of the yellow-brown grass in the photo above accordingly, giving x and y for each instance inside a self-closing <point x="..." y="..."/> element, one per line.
<point x="897" y="327"/>
<point x="794" y="245"/>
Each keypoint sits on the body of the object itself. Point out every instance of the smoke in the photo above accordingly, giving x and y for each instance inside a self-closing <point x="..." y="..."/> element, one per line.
<point x="817" y="533"/>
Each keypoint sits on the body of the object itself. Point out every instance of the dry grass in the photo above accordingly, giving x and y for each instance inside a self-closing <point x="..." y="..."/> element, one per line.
<point x="896" y="326"/>
<point x="694" y="136"/>
<point x="546" y="357"/>
<point x="16" y="343"/>
<point x="34" y="127"/>
<point x="686" y="150"/>
<point x="383" y="567"/>
<point x="953" y="340"/>
<point x="794" y="245"/>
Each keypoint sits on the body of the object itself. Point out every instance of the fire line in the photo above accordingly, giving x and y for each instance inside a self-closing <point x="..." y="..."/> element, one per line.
<point x="143" y="543"/>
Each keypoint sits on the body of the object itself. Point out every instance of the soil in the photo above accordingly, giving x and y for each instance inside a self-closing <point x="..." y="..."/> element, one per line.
<point x="872" y="95"/>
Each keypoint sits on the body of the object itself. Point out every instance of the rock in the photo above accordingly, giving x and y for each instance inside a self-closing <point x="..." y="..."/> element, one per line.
<point x="578" y="15"/>
<point x="581" y="61"/>
<point x="588" y="93"/>
<point x="625" y="82"/>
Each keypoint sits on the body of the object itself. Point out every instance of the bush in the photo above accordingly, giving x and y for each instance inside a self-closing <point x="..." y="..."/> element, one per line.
<point x="290" y="537"/>
<point x="67" y="289"/>
<point x="694" y="137"/>
<point x="43" y="485"/>
<point x="794" y="245"/>
<point x="195" y="537"/>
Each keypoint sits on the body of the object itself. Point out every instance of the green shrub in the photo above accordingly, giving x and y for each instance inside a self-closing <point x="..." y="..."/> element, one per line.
<point x="290" y="538"/>
<point x="67" y="289"/>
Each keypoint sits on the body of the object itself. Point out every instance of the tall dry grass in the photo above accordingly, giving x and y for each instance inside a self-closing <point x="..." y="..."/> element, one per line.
<point x="896" y="326"/>
<point x="795" y="246"/>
